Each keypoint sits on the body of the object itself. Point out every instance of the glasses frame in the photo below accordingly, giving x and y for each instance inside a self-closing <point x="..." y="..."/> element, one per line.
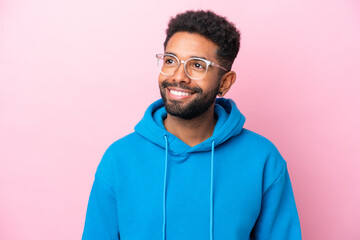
<point x="160" y="56"/>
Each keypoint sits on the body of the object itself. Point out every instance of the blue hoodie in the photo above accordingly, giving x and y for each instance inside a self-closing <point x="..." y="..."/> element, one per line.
<point x="151" y="186"/>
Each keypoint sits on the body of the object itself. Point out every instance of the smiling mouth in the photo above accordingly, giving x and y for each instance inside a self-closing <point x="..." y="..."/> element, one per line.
<point x="179" y="93"/>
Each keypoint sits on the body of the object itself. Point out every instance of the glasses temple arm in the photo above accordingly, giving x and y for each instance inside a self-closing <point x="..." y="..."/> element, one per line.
<point x="216" y="65"/>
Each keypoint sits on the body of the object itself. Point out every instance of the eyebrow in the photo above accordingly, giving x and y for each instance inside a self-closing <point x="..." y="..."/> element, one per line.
<point x="190" y="57"/>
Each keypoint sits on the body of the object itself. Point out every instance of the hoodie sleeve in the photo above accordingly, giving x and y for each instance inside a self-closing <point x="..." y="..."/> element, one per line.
<point x="278" y="219"/>
<point x="101" y="221"/>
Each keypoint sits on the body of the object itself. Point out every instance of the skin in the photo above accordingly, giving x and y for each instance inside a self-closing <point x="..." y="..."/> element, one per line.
<point x="185" y="45"/>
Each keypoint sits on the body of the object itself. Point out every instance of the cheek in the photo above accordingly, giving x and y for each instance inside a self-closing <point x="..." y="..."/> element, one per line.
<point x="161" y="78"/>
<point x="209" y="84"/>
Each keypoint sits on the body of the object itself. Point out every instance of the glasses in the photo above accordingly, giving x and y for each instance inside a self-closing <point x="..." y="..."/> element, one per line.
<point x="195" y="68"/>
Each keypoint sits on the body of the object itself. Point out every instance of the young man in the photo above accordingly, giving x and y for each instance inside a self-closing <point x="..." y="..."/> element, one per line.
<point x="190" y="170"/>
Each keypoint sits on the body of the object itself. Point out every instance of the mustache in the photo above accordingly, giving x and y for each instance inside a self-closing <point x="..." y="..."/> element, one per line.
<point x="166" y="84"/>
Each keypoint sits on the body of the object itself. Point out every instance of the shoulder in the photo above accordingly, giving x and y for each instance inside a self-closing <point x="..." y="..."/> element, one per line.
<point x="123" y="143"/>
<point x="252" y="141"/>
<point x="263" y="153"/>
<point x="261" y="145"/>
<point x="114" y="152"/>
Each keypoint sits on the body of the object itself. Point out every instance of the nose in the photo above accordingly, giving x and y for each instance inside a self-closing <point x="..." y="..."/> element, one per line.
<point x="180" y="74"/>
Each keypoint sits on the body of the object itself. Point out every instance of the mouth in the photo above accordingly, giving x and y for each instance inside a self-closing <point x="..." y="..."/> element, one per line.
<point x="178" y="93"/>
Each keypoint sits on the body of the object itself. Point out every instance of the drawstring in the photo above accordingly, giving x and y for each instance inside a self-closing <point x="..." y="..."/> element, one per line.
<point x="212" y="192"/>
<point x="164" y="191"/>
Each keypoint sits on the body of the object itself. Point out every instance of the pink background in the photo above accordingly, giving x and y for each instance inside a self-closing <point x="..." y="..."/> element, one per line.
<point x="76" y="75"/>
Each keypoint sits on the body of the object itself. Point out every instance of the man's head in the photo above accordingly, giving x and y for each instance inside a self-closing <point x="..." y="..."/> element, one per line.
<point x="212" y="26"/>
<point x="200" y="35"/>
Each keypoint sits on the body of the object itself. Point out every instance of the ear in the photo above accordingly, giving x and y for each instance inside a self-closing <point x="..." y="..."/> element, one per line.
<point x="227" y="80"/>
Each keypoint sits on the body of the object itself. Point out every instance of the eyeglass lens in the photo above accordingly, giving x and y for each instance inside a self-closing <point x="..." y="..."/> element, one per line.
<point x="194" y="68"/>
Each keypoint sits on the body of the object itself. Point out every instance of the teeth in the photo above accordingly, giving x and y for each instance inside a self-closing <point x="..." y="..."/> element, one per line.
<point x="178" y="93"/>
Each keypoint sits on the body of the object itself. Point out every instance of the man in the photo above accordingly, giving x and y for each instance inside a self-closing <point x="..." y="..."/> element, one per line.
<point x="190" y="170"/>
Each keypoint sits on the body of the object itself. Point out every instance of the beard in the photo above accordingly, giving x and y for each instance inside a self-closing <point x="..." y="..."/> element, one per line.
<point x="193" y="109"/>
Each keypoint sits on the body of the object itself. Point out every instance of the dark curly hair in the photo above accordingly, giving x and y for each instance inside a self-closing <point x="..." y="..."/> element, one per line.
<point x="212" y="26"/>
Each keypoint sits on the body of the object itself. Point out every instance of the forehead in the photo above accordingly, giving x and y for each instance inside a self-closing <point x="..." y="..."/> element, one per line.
<point x="185" y="45"/>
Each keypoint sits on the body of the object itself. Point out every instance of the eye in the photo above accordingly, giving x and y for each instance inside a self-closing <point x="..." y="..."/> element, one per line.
<point x="169" y="61"/>
<point x="197" y="65"/>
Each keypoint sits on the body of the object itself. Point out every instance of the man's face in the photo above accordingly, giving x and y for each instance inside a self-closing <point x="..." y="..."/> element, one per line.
<point x="184" y="97"/>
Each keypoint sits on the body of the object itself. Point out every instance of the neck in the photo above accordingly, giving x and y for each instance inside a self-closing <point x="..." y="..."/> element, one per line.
<point x="193" y="131"/>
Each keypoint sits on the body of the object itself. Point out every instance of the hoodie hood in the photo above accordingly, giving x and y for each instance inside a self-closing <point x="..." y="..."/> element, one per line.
<point x="229" y="123"/>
